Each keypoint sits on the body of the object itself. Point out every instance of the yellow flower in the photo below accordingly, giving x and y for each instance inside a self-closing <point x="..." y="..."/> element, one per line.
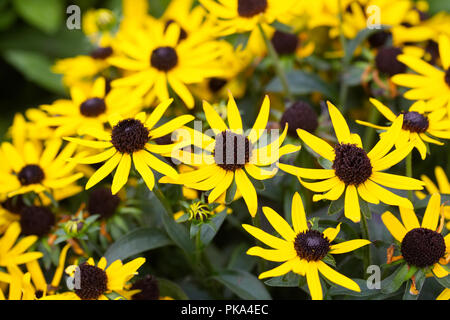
<point x="20" y="286"/>
<point x="129" y="141"/>
<point x="430" y="84"/>
<point x="239" y="16"/>
<point x="12" y="253"/>
<point x="416" y="125"/>
<point x="355" y="171"/>
<point x="422" y="245"/>
<point x="231" y="155"/>
<point x="152" y="57"/>
<point x="302" y="249"/>
<point x="93" y="282"/>
<point x="87" y="109"/>
<point x="36" y="170"/>
<point x="443" y="187"/>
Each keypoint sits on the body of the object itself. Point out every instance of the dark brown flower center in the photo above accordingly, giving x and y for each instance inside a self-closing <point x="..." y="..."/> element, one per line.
<point x="232" y="150"/>
<point x="129" y="136"/>
<point x="92" y="282"/>
<point x="164" y="58"/>
<point x="93" y="107"/>
<point x="36" y="221"/>
<point x="351" y="164"/>
<point x="149" y="289"/>
<point x="285" y="43"/>
<point x="103" y="202"/>
<point x="378" y="39"/>
<point x="387" y="63"/>
<point x="250" y="8"/>
<point x="101" y="53"/>
<point x="311" y="245"/>
<point x="215" y="84"/>
<point x="14" y="205"/>
<point x="422" y="247"/>
<point x="31" y="174"/>
<point x="415" y="122"/>
<point x="300" y="115"/>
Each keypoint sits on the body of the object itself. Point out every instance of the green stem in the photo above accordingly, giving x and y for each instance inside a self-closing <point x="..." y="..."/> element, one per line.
<point x="276" y="61"/>
<point x="409" y="173"/>
<point x="162" y="198"/>
<point x="365" y="235"/>
<point x="369" y="134"/>
<point x="85" y="247"/>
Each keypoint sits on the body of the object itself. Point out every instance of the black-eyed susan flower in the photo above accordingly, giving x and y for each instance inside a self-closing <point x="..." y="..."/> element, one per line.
<point x="131" y="141"/>
<point x="421" y="245"/>
<point x="37" y="168"/>
<point x="442" y="187"/>
<point x="240" y="16"/>
<point x="231" y="155"/>
<point x="94" y="282"/>
<point x="302" y="249"/>
<point x="417" y="127"/>
<point x="153" y="59"/>
<point x="430" y="84"/>
<point x="12" y="253"/>
<point x="353" y="170"/>
<point x="87" y="109"/>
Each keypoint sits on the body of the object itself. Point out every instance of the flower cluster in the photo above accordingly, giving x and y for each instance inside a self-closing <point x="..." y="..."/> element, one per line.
<point x="193" y="128"/>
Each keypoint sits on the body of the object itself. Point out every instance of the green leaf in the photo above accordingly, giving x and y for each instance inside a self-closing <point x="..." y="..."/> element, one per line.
<point x="243" y="284"/>
<point x="301" y="82"/>
<point x="209" y="231"/>
<point x="46" y="15"/>
<point x="325" y="163"/>
<point x="282" y="27"/>
<point x="136" y="242"/>
<point x="395" y="280"/>
<point x="231" y="193"/>
<point x="445" y="281"/>
<point x="36" y="68"/>
<point x="419" y="280"/>
<point x="365" y="291"/>
<point x="353" y="75"/>
<point x="336" y="206"/>
<point x="290" y="279"/>
<point x="168" y="288"/>
<point x="7" y="18"/>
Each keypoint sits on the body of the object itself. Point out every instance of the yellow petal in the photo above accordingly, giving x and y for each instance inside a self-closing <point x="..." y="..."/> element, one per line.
<point x="394" y="226"/>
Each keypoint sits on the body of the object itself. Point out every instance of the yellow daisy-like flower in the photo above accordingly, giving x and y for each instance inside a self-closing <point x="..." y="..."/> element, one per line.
<point x="417" y="125"/>
<point x="302" y="249"/>
<point x="443" y="187"/>
<point x="355" y="171"/>
<point x="152" y="57"/>
<point x="20" y="286"/>
<point x="36" y="170"/>
<point x="12" y="253"/>
<point x="88" y="109"/>
<point x="32" y="285"/>
<point x="237" y="16"/>
<point x="93" y="282"/>
<point x="422" y="245"/>
<point x="430" y="84"/>
<point x="131" y="141"/>
<point x="231" y="155"/>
